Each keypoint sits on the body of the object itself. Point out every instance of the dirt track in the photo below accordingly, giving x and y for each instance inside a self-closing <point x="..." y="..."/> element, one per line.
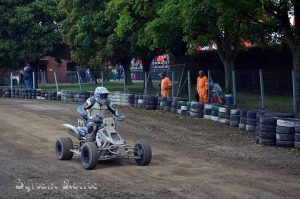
<point x="192" y="158"/>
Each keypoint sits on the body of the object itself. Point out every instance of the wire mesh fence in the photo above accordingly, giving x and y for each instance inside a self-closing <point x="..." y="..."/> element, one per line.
<point x="268" y="89"/>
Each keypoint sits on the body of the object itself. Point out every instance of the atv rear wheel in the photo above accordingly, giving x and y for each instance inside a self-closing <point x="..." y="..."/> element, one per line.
<point x="89" y="155"/>
<point x="143" y="150"/>
<point x="63" y="147"/>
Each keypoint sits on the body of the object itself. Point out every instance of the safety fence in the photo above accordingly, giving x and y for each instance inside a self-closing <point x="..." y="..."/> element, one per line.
<point x="266" y="89"/>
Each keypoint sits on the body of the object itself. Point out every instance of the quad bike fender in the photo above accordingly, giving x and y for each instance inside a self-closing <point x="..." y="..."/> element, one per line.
<point x="72" y="130"/>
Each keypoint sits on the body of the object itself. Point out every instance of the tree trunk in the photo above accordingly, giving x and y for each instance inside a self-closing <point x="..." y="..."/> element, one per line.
<point x="146" y="68"/>
<point x="228" y="68"/>
<point x="296" y="67"/>
<point x="127" y="74"/>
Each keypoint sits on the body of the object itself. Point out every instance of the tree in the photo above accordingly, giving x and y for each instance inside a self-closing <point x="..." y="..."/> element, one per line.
<point x="130" y="19"/>
<point x="276" y="15"/>
<point x="84" y="31"/>
<point x="29" y="31"/>
<point x="218" y="22"/>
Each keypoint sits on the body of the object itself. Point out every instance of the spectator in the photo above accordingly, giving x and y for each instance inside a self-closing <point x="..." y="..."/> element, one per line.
<point x="21" y="78"/>
<point x="165" y="85"/>
<point x="27" y="71"/>
<point x="202" y="87"/>
<point x="120" y="69"/>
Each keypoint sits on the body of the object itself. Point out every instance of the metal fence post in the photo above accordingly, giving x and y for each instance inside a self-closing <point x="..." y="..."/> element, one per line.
<point x="189" y="84"/>
<point x="55" y="81"/>
<point x="173" y="83"/>
<point x="262" y="92"/>
<point x="44" y="73"/>
<point x="79" y="80"/>
<point x="234" y="87"/>
<point x="102" y="78"/>
<point x="33" y="80"/>
<point x="146" y="83"/>
<point x="124" y="80"/>
<point x="208" y="90"/>
<point x="11" y="81"/>
<point x="294" y="92"/>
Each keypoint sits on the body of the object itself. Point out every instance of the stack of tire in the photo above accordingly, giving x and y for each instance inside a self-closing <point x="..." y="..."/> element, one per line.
<point x="162" y="102"/>
<point x="1" y="92"/>
<point x="7" y="93"/>
<point x="46" y="94"/>
<point x="131" y="99"/>
<point x="174" y="104"/>
<point x="196" y="110"/>
<point x="151" y="102"/>
<point x="207" y="111"/>
<point x="222" y="114"/>
<point x="33" y="93"/>
<point x="234" y="117"/>
<point x="227" y="115"/>
<point x="285" y="132"/>
<point x="168" y="104"/>
<point x="251" y="120"/>
<point x="215" y="113"/>
<point x="243" y="119"/>
<point x="297" y="135"/>
<point x="38" y="93"/>
<point x="141" y="102"/>
<point x="17" y="93"/>
<point x="266" y="133"/>
<point x="58" y="96"/>
<point x="43" y="93"/>
<point x="136" y="98"/>
<point x="182" y="107"/>
<point x="79" y="96"/>
<point x="12" y="93"/>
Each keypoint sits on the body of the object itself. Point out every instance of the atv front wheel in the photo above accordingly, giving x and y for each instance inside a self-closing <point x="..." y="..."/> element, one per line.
<point x="63" y="147"/>
<point x="144" y="152"/>
<point x="89" y="155"/>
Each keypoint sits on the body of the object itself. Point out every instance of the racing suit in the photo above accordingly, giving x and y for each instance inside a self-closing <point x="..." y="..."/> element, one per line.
<point x="96" y="111"/>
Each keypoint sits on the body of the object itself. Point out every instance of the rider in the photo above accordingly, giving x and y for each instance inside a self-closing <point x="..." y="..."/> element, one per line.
<point x="96" y="108"/>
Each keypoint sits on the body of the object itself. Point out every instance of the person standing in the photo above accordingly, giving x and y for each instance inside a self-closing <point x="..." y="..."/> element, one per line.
<point x="21" y="78"/>
<point x="202" y="87"/>
<point x="165" y="85"/>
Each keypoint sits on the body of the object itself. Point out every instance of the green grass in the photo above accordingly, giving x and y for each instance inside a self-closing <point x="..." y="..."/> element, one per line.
<point x="136" y="87"/>
<point x="272" y="103"/>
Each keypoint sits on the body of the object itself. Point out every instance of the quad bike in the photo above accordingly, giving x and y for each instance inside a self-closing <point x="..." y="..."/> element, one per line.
<point x="108" y="144"/>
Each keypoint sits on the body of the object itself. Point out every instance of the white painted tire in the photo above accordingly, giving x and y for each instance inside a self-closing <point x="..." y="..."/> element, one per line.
<point x="222" y="120"/>
<point x="184" y="108"/>
<point x="140" y="101"/>
<point x="214" y="118"/>
<point x="207" y="117"/>
<point x="222" y="109"/>
<point x="287" y="122"/>
<point x="234" y="111"/>
<point x="207" y="106"/>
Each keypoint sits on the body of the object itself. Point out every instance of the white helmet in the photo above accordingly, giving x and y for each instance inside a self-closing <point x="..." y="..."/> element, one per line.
<point x="101" y="94"/>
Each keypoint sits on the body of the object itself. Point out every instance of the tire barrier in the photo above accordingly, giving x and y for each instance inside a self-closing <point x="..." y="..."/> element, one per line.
<point x="234" y="117"/>
<point x="151" y="102"/>
<point x="266" y="134"/>
<point x="214" y="113"/>
<point x="251" y="120"/>
<point x="131" y="100"/>
<point x="207" y="111"/>
<point x="243" y="119"/>
<point x="285" y="132"/>
<point x="222" y="114"/>
<point x="297" y="135"/>
<point x="196" y="109"/>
